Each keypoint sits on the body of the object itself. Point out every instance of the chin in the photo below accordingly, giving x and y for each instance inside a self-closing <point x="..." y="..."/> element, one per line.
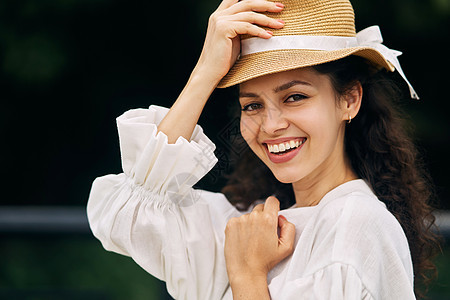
<point x="285" y="174"/>
<point x="285" y="177"/>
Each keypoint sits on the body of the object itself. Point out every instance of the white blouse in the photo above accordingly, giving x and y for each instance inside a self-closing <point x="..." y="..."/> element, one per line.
<point x="349" y="246"/>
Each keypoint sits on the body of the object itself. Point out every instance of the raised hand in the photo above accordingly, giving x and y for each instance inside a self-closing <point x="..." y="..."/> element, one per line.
<point x="221" y="48"/>
<point x="231" y="19"/>
<point x="253" y="247"/>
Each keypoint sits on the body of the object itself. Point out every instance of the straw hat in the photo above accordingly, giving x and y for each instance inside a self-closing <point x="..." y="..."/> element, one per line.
<point x="315" y="32"/>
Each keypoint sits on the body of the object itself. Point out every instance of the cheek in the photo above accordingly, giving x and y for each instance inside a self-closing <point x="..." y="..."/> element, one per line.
<point x="319" y="124"/>
<point x="249" y="129"/>
<point x="307" y="120"/>
<point x="324" y="127"/>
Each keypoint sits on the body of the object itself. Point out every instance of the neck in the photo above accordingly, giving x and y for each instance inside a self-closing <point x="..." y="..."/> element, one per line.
<point x="310" y="190"/>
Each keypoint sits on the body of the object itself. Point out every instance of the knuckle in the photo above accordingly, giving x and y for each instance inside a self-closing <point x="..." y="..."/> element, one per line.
<point x="213" y="17"/>
<point x="268" y="218"/>
<point x="231" y="223"/>
<point x="254" y="17"/>
<point x="290" y="249"/>
<point x="247" y="4"/>
<point x="248" y="26"/>
<point x="244" y="218"/>
<point x="254" y="214"/>
<point x="258" y="206"/>
<point x="271" y="22"/>
<point x="261" y="33"/>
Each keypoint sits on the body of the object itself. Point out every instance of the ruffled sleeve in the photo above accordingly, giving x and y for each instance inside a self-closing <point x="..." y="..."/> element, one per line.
<point x="152" y="213"/>
<point x="146" y="153"/>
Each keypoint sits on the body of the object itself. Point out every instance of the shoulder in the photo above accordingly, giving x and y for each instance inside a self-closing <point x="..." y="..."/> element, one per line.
<point x="351" y="220"/>
<point x="354" y="205"/>
<point x="354" y="228"/>
<point x="363" y="233"/>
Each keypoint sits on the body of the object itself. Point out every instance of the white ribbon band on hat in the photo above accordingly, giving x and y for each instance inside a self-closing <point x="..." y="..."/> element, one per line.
<point x="369" y="37"/>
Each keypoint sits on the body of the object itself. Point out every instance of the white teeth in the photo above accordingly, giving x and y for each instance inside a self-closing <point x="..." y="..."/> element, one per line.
<point x="276" y="148"/>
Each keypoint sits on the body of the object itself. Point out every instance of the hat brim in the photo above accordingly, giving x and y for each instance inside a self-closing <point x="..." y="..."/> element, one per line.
<point x="269" y="62"/>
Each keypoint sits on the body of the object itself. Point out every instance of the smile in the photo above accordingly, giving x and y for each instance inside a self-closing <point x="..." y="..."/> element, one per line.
<point x="285" y="146"/>
<point x="281" y="151"/>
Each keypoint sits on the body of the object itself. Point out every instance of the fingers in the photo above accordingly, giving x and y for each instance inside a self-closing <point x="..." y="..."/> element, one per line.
<point x="255" y="5"/>
<point x="259" y="207"/>
<point x="272" y="205"/>
<point x="250" y="11"/>
<point x="256" y="18"/>
<point x="287" y="236"/>
<point x="235" y="6"/>
<point x="246" y="28"/>
<point x="226" y="4"/>
<point x="244" y="17"/>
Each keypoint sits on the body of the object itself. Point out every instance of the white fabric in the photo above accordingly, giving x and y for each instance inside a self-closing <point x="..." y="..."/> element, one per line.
<point x="307" y="42"/>
<point x="369" y="37"/>
<point x="347" y="247"/>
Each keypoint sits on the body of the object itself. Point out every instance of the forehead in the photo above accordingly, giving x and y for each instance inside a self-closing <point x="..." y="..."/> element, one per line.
<point x="271" y="81"/>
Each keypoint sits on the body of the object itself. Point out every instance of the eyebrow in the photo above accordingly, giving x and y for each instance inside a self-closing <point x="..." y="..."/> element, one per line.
<point x="249" y="95"/>
<point x="278" y="89"/>
<point x="289" y="85"/>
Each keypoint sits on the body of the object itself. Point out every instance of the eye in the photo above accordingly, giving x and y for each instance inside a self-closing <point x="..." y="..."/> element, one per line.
<point x="295" y="98"/>
<point x="252" y="107"/>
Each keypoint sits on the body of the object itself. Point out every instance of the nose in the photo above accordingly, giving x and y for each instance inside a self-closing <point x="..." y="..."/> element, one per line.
<point x="273" y="121"/>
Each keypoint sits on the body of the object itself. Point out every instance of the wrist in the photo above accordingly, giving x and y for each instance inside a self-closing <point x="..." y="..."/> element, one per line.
<point x="199" y="88"/>
<point x="245" y="279"/>
<point x="248" y="286"/>
<point x="206" y="74"/>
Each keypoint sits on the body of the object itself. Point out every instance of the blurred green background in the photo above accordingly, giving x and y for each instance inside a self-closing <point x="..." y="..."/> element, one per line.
<point x="68" y="68"/>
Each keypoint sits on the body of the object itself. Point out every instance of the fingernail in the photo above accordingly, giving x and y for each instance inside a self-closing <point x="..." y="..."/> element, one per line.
<point x="280" y="5"/>
<point x="269" y="32"/>
<point x="280" y="21"/>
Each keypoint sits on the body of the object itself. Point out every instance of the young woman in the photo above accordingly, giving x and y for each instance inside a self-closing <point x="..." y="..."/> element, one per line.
<point x="318" y="111"/>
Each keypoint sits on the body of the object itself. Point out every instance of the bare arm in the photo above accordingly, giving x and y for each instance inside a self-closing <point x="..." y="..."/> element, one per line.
<point x="221" y="48"/>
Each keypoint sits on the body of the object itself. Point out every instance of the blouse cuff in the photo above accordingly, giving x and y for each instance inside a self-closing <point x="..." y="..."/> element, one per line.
<point x="151" y="162"/>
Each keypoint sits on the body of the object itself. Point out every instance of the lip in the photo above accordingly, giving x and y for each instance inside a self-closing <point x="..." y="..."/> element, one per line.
<point x="282" y="140"/>
<point x="277" y="158"/>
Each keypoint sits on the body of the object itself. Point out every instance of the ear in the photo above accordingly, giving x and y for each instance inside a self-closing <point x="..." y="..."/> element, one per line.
<point x="351" y="102"/>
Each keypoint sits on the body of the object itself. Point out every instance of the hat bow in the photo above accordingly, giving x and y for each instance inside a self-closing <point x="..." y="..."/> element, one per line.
<point x="371" y="37"/>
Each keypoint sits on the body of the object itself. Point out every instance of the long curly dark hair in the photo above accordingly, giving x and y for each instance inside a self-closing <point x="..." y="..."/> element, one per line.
<point x="379" y="146"/>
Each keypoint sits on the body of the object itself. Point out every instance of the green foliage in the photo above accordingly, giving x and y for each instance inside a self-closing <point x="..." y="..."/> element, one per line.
<point x="78" y="268"/>
<point x="440" y="289"/>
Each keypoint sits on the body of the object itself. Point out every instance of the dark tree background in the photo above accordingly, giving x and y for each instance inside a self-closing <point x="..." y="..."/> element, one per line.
<point x="68" y="68"/>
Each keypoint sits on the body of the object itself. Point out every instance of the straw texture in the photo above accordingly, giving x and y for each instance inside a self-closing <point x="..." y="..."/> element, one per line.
<point x="304" y="17"/>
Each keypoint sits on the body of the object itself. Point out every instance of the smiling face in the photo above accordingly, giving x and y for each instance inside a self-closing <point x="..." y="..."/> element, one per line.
<point x="293" y="123"/>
